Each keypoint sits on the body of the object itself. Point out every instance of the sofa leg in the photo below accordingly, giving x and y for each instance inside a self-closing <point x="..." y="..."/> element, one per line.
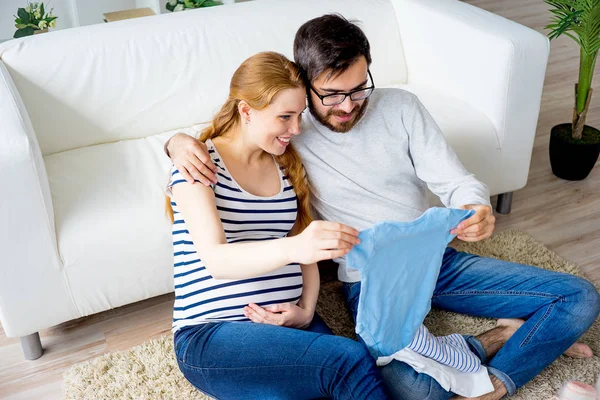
<point x="32" y="346"/>
<point x="504" y="203"/>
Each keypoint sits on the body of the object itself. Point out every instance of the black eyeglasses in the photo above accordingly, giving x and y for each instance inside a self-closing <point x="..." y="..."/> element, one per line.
<point x="338" y="98"/>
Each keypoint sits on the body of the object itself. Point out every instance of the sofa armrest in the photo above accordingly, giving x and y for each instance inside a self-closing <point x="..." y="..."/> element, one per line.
<point x="494" y="64"/>
<point x="33" y="290"/>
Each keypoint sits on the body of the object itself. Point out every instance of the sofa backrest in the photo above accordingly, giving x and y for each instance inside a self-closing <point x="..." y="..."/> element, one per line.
<point x="135" y="78"/>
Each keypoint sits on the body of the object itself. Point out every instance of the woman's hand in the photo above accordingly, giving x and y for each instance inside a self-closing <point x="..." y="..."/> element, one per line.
<point x="285" y="314"/>
<point x="322" y="240"/>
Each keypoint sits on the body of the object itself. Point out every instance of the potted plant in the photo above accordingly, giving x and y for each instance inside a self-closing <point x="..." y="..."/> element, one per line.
<point x="180" y="5"/>
<point x="33" y="19"/>
<point x="574" y="147"/>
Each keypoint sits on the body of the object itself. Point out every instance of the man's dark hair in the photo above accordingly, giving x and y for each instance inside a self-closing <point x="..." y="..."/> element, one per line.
<point x="329" y="43"/>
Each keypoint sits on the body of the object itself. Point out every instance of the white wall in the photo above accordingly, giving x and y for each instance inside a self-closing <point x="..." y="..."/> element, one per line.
<point x="92" y="11"/>
<point x="152" y="4"/>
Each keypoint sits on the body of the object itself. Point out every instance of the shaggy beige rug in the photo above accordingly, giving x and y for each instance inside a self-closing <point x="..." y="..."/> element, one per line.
<point x="149" y="371"/>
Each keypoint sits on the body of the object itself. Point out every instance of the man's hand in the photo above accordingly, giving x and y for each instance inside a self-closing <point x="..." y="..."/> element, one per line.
<point x="191" y="159"/>
<point x="479" y="226"/>
<point x="286" y="314"/>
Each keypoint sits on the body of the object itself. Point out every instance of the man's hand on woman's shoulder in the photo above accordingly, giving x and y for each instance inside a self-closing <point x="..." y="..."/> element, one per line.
<point x="191" y="158"/>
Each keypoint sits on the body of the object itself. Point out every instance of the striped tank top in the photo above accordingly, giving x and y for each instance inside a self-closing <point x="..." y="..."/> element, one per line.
<point x="200" y="298"/>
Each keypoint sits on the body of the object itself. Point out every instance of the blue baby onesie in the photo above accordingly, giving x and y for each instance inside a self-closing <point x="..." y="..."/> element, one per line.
<point x="399" y="263"/>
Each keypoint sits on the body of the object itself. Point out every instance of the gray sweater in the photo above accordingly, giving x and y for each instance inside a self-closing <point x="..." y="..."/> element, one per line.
<point x="381" y="169"/>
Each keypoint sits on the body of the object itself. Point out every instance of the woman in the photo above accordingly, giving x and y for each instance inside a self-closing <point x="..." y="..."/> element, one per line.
<point x="246" y="280"/>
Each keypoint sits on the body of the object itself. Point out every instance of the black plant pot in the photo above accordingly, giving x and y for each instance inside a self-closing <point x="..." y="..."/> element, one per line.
<point x="572" y="161"/>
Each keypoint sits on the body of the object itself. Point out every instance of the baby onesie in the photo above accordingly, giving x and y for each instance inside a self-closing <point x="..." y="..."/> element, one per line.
<point x="399" y="263"/>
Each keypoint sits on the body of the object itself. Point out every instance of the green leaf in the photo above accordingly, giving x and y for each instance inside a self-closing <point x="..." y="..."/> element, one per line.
<point x="563" y="22"/>
<point x="23" y="32"/>
<point x="188" y="4"/>
<point x="576" y="39"/>
<point x="48" y="20"/>
<point x="24" y="15"/>
<point x="42" y="9"/>
<point x="170" y="7"/>
<point x="20" y="26"/>
<point x="595" y="45"/>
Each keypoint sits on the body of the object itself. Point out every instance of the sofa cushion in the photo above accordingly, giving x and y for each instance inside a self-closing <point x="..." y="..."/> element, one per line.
<point x="113" y="235"/>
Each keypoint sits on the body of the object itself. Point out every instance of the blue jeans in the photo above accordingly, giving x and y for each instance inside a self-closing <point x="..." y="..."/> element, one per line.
<point x="558" y="309"/>
<point x="245" y="360"/>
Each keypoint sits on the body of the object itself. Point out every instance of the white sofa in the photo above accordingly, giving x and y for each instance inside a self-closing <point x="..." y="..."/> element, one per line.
<point x="84" y="114"/>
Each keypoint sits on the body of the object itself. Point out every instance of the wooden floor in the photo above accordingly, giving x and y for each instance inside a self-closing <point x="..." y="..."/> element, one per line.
<point x="565" y="216"/>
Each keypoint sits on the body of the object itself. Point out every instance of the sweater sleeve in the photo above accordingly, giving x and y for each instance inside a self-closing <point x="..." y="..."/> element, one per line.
<point x="436" y="163"/>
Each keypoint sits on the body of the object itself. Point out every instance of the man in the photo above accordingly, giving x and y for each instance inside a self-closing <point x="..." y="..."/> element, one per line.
<point x="370" y="155"/>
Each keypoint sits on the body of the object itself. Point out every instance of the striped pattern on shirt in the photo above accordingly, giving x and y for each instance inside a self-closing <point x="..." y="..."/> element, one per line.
<point x="200" y="298"/>
<point x="451" y="350"/>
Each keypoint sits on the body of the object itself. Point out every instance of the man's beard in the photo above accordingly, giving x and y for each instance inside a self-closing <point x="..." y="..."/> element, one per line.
<point x="342" y="127"/>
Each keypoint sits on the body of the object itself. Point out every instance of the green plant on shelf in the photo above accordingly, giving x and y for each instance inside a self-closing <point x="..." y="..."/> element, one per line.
<point x="180" y="5"/>
<point x="33" y="18"/>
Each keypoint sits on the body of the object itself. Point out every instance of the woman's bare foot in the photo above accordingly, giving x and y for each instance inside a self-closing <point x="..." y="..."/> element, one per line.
<point x="577" y="350"/>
